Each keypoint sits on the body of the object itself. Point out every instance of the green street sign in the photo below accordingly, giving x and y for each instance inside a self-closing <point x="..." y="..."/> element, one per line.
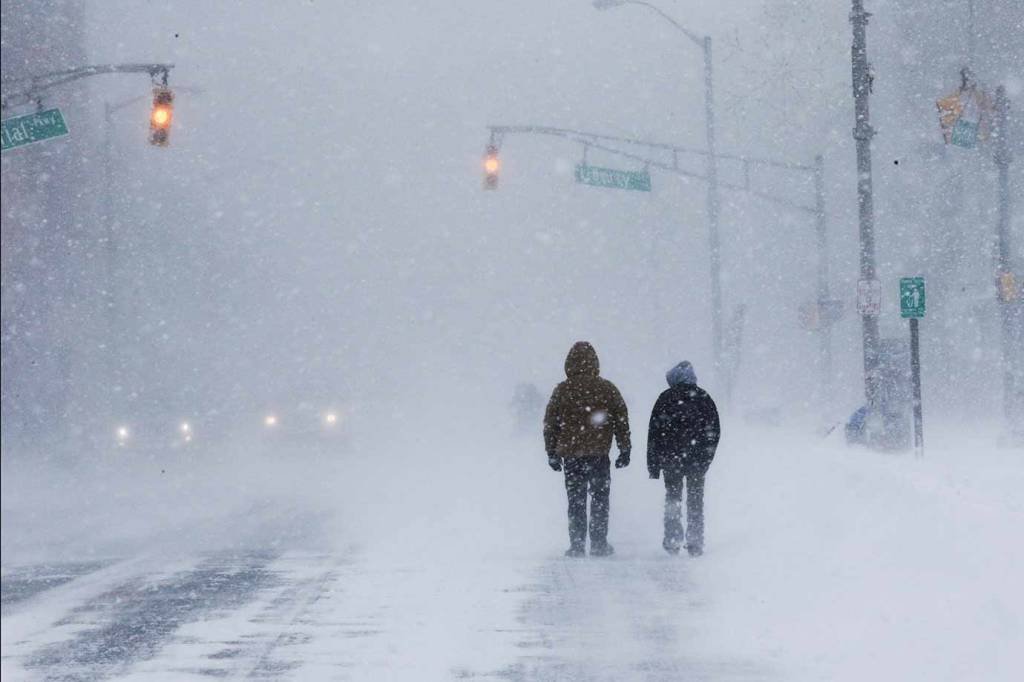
<point x="965" y="134"/>
<point x="912" y="297"/>
<point x="639" y="181"/>
<point x="22" y="130"/>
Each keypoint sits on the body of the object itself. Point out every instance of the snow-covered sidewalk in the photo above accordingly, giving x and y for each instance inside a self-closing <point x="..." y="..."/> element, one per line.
<point x="843" y="564"/>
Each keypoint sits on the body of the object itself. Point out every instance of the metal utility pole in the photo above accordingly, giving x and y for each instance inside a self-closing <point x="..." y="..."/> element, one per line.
<point x="714" y="241"/>
<point x="824" y="295"/>
<point x="862" y="133"/>
<point x="713" y="205"/>
<point x="972" y="36"/>
<point x="112" y="303"/>
<point x="1007" y="288"/>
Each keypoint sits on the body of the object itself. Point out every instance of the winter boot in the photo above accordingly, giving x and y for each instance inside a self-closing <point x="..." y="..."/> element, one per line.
<point x="695" y="550"/>
<point x="671" y="546"/>
<point x="575" y="551"/>
<point x="602" y="550"/>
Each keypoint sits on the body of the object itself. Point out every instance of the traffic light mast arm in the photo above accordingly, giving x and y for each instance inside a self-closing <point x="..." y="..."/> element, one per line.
<point x="18" y="91"/>
<point x="602" y="142"/>
<point x="499" y="131"/>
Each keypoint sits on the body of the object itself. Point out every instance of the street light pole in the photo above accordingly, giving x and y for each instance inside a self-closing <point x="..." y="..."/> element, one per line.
<point x="824" y="295"/>
<point x="713" y="202"/>
<point x="1006" y="286"/>
<point x="972" y="37"/>
<point x="714" y="241"/>
<point x="112" y="303"/>
<point x="862" y="133"/>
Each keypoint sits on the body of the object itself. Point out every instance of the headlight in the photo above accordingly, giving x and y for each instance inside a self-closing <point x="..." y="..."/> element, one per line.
<point x="185" y="428"/>
<point x="122" y="434"/>
<point x="331" y="418"/>
<point x="270" y="421"/>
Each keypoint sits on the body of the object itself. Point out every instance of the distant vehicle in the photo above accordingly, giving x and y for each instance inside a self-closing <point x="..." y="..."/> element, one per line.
<point x="155" y="434"/>
<point x="306" y="424"/>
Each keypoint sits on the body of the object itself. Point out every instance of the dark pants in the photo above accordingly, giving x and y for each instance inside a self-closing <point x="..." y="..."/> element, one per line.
<point x="583" y="474"/>
<point x="674" y="481"/>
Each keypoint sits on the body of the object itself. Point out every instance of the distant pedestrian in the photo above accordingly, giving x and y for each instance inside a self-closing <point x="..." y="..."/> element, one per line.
<point x="681" y="442"/>
<point x="584" y="413"/>
<point x="527" y="407"/>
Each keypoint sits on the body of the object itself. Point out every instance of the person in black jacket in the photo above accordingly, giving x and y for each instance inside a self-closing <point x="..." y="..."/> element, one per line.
<point x="681" y="442"/>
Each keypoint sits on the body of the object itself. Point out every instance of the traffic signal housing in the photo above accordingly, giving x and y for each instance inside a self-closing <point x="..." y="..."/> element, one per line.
<point x="491" y="167"/>
<point x="161" y="116"/>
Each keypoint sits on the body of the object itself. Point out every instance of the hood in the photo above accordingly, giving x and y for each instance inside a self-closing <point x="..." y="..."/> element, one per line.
<point x="681" y="374"/>
<point x="582" y="361"/>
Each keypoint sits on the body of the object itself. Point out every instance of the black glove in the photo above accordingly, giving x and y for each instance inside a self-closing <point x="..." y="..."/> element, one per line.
<point x="654" y="473"/>
<point x="623" y="460"/>
<point x="555" y="462"/>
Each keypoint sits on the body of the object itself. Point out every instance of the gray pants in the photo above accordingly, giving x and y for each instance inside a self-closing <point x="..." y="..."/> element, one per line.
<point x="694" y="483"/>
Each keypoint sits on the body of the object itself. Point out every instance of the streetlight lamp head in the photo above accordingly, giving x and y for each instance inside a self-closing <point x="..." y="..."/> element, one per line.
<point x="608" y="4"/>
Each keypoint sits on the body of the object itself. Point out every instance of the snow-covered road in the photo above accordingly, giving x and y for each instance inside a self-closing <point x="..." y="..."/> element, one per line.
<point x="822" y="563"/>
<point x="306" y="616"/>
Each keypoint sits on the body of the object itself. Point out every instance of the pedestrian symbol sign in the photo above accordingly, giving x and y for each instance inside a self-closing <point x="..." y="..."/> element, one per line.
<point x="912" y="297"/>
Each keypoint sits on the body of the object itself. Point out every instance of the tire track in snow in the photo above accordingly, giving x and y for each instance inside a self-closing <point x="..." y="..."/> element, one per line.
<point x="290" y="612"/>
<point x="25" y="582"/>
<point x="133" y="621"/>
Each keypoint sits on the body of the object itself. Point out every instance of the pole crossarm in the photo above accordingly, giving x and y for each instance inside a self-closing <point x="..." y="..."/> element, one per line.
<point x="601" y="142"/>
<point x="28" y="89"/>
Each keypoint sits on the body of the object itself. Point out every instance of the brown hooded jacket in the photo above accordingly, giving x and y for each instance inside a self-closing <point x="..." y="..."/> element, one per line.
<point x="585" y="410"/>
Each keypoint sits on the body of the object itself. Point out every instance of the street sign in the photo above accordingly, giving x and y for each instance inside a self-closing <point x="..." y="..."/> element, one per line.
<point x="869" y="297"/>
<point x="19" y="131"/>
<point x="965" y="134"/>
<point x="639" y="181"/>
<point x="912" y="297"/>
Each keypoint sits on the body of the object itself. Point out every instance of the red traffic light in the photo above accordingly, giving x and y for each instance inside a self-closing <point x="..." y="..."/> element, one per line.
<point x="491" y="167"/>
<point x="161" y="116"/>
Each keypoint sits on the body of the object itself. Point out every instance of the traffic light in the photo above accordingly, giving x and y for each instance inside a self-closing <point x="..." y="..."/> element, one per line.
<point x="491" y="167"/>
<point x="161" y="116"/>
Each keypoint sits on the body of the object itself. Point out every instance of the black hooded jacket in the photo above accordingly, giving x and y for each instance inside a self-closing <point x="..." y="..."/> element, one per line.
<point x="684" y="430"/>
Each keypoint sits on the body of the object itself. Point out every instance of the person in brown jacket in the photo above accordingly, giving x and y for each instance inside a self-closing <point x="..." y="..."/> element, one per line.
<point x="584" y="412"/>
